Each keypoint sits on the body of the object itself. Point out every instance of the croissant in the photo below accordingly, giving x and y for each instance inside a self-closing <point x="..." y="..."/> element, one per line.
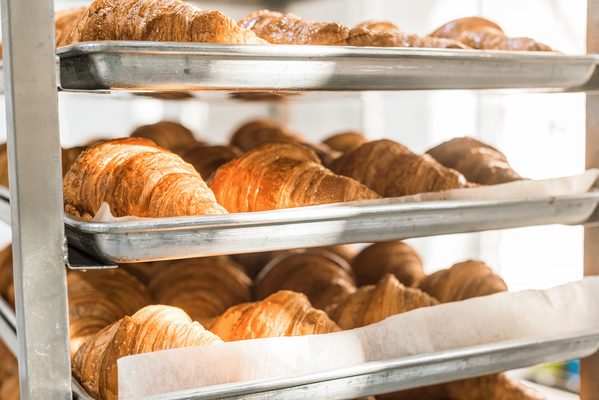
<point x="373" y="303"/>
<point x="281" y="175"/>
<point x="145" y="271"/>
<point x="153" y="328"/>
<point x="322" y="276"/>
<point x="6" y="276"/>
<point x="168" y="135"/>
<point x="135" y="177"/>
<point x="8" y="363"/>
<point x="207" y="159"/>
<point x="477" y="161"/>
<point x="480" y="33"/>
<point x="386" y="34"/>
<point x="258" y="132"/>
<point x="255" y="262"/>
<point x="391" y="170"/>
<point x="202" y="287"/>
<point x="396" y="258"/>
<point x="284" y="313"/>
<point x="9" y="389"/>
<point x="346" y="141"/>
<point x="324" y="153"/>
<point x="462" y="281"/>
<point x="153" y="20"/>
<point x="64" y="21"/>
<point x="277" y="28"/>
<point x="98" y="298"/>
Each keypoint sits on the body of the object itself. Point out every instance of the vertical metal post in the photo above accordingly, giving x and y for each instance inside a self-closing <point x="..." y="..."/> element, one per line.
<point x="36" y="198"/>
<point x="589" y="369"/>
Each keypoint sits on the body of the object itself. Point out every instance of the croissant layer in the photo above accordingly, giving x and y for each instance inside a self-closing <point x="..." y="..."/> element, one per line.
<point x="168" y="135"/>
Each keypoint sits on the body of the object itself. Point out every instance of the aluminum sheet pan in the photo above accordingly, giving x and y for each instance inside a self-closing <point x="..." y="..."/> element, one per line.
<point x="205" y="66"/>
<point x="173" y="238"/>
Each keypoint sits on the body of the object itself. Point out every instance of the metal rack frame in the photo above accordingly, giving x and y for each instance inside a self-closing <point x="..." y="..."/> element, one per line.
<point x="39" y="246"/>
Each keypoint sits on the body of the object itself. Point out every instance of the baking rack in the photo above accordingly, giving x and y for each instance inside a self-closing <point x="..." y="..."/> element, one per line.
<point x="33" y="74"/>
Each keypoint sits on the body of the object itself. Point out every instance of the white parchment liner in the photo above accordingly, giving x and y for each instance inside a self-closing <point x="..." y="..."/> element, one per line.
<point x="562" y="310"/>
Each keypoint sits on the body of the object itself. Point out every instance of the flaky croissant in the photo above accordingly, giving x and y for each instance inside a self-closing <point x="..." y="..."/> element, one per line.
<point x="386" y="34"/>
<point x="462" y="281"/>
<point x="480" y="33"/>
<point x="391" y="170"/>
<point x="396" y="258"/>
<point x="207" y="159"/>
<point x="154" y="20"/>
<point x="258" y="132"/>
<point x="345" y="141"/>
<point x="152" y="328"/>
<point x="202" y="287"/>
<point x="166" y="134"/>
<point x="277" y="28"/>
<point x="64" y="22"/>
<point x="477" y="161"/>
<point x="97" y="298"/>
<point x="322" y="276"/>
<point x="281" y="175"/>
<point x="9" y="388"/>
<point x="284" y="313"/>
<point x="135" y="177"/>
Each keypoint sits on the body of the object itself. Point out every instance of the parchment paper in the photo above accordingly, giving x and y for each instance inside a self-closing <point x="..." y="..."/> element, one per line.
<point x="504" y="316"/>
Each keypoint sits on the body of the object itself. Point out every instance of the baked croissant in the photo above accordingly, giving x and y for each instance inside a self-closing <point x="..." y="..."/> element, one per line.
<point x="277" y="28"/>
<point x="7" y="286"/>
<point x="462" y="281"/>
<point x="9" y="388"/>
<point x="207" y="159"/>
<point x="258" y="132"/>
<point x="281" y="175"/>
<point x="202" y="287"/>
<point x="8" y="363"/>
<point x="64" y="22"/>
<point x="373" y="303"/>
<point x="480" y="33"/>
<point x="168" y="135"/>
<point x="153" y="20"/>
<point x="391" y="170"/>
<point x="98" y="298"/>
<point x="477" y="161"/>
<point x="135" y="177"/>
<point x="396" y="258"/>
<point x="386" y="34"/>
<point x="153" y="328"/>
<point x="284" y="313"/>
<point x="322" y="276"/>
<point x="145" y="271"/>
<point x="345" y="141"/>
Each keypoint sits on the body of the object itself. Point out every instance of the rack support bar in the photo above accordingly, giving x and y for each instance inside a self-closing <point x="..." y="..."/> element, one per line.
<point x="29" y="52"/>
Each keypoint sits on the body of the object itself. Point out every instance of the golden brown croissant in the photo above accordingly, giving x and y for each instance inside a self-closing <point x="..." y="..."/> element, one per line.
<point x="386" y="34"/>
<point x="135" y="177"/>
<point x="65" y="20"/>
<point x="284" y="313"/>
<point x="98" y="298"/>
<point x="477" y="161"/>
<point x="202" y="287"/>
<point x="324" y="152"/>
<point x="9" y="388"/>
<point x="281" y="175"/>
<point x="168" y="135"/>
<point x="322" y="276"/>
<point x="152" y="328"/>
<point x="392" y="170"/>
<point x="258" y="132"/>
<point x="207" y="159"/>
<point x="346" y="141"/>
<point x="462" y="281"/>
<point x="480" y="33"/>
<point x="277" y="28"/>
<point x="396" y="258"/>
<point x="154" y="20"/>
<point x="8" y="363"/>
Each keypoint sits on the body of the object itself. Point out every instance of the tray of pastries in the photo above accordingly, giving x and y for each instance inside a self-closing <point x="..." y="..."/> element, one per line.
<point x="175" y="46"/>
<point x="139" y="309"/>
<point x="160" y="194"/>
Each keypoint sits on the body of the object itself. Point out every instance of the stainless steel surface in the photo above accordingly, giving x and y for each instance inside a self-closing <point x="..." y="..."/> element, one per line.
<point x="403" y="373"/>
<point x="172" y="238"/>
<point x="206" y="66"/>
<point x="34" y="165"/>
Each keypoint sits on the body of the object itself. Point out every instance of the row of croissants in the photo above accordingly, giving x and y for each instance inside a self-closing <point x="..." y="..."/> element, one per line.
<point x="162" y="171"/>
<point x="179" y="21"/>
<point x="146" y="307"/>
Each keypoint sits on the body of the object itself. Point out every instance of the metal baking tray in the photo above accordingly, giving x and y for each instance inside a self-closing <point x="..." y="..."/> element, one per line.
<point x="173" y="238"/>
<point x="143" y="66"/>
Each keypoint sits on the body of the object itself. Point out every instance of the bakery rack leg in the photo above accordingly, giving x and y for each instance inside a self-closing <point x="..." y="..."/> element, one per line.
<point x="30" y="67"/>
